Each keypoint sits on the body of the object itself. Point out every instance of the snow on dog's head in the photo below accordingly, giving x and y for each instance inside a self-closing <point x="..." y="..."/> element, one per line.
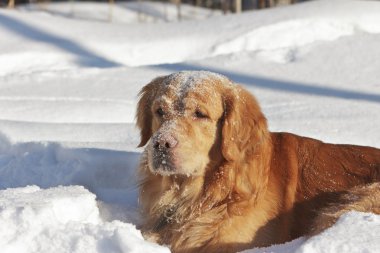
<point x="187" y="118"/>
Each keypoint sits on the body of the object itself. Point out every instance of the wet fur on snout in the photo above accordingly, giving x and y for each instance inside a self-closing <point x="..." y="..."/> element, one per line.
<point x="235" y="185"/>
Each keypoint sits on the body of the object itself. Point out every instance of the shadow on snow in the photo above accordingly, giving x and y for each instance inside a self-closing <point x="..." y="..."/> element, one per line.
<point x="85" y="57"/>
<point x="278" y="85"/>
<point x="110" y="174"/>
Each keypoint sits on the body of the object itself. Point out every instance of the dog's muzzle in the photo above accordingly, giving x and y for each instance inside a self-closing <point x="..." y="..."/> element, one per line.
<point x="163" y="146"/>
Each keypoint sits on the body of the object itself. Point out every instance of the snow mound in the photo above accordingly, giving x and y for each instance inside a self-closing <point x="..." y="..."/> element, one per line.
<point x="62" y="219"/>
<point x="50" y="164"/>
<point x="81" y="42"/>
<point x="281" y="41"/>
<point x="111" y="175"/>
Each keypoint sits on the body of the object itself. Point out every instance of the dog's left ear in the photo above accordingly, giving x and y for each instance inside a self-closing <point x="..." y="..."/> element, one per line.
<point x="244" y="125"/>
<point x="144" y="113"/>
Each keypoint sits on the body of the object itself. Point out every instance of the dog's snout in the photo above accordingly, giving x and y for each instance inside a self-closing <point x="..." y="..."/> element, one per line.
<point x="165" y="141"/>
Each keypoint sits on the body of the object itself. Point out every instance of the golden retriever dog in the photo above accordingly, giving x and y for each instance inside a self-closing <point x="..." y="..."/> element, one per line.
<point x="214" y="179"/>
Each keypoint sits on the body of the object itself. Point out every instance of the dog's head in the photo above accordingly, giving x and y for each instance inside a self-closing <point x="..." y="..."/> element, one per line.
<point x="192" y="121"/>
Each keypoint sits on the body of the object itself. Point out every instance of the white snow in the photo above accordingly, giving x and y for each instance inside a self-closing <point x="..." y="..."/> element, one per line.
<point x="62" y="219"/>
<point x="69" y="78"/>
<point x="362" y="229"/>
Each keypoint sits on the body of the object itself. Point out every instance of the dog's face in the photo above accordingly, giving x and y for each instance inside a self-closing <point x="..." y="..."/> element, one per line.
<point x="192" y="121"/>
<point x="184" y="115"/>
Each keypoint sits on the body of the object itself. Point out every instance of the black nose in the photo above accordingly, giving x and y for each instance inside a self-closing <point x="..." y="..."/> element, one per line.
<point x="164" y="141"/>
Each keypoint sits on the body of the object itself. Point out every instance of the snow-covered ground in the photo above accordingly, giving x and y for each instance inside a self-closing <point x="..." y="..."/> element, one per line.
<point x="69" y="80"/>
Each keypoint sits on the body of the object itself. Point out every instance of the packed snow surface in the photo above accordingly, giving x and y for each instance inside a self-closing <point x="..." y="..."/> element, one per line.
<point x="362" y="229"/>
<point x="69" y="78"/>
<point x="62" y="219"/>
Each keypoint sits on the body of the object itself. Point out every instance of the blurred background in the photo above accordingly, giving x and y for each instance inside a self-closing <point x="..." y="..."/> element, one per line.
<point x="158" y="9"/>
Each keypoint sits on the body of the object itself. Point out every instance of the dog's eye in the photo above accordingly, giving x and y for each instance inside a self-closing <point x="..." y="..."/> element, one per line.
<point x="200" y="115"/>
<point x="160" y="112"/>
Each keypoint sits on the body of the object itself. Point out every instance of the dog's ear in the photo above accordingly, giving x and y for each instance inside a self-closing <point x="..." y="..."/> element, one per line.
<point x="144" y="110"/>
<point x="246" y="147"/>
<point x="244" y="125"/>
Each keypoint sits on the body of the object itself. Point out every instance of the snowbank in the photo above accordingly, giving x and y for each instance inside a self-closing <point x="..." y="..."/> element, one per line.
<point x="67" y="218"/>
<point x="100" y="44"/>
<point x="109" y="174"/>
<point x="62" y="219"/>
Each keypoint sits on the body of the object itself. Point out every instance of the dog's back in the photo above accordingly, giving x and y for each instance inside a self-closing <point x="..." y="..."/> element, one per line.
<point x="318" y="175"/>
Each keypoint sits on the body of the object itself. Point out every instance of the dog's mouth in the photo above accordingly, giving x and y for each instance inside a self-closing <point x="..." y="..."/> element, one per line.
<point x="170" y="162"/>
<point x="163" y="163"/>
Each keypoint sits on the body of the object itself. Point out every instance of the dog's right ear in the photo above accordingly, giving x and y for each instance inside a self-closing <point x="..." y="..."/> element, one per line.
<point x="244" y="127"/>
<point x="144" y="111"/>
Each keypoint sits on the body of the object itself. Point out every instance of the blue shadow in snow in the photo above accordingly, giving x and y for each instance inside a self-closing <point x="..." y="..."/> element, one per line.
<point x="111" y="175"/>
<point x="278" y="85"/>
<point x="85" y="57"/>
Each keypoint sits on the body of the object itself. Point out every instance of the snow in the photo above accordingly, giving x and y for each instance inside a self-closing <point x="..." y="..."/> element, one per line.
<point x="69" y="78"/>
<point x="62" y="219"/>
<point x="363" y="238"/>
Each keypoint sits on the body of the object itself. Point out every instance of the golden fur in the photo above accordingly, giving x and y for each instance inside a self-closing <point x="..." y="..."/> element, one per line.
<point x="214" y="179"/>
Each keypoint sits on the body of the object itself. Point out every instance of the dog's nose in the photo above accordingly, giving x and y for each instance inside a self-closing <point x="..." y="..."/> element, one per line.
<point x="164" y="141"/>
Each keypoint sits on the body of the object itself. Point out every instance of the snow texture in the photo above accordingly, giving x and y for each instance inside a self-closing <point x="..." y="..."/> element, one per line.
<point x="69" y="78"/>
<point x="364" y="238"/>
<point x="62" y="219"/>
